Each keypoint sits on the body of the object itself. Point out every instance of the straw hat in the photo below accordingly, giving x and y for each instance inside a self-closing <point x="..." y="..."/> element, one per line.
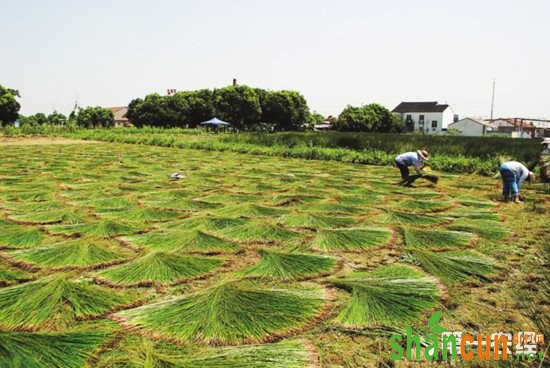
<point x="545" y="141"/>
<point x="423" y="154"/>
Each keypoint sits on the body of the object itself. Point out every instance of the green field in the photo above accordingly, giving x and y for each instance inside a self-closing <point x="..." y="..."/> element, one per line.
<point x="251" y="260"/>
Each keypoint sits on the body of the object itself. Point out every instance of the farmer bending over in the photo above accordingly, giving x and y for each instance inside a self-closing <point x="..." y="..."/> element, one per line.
<point x="513" y="174"/>
<point x="414" y="159"/>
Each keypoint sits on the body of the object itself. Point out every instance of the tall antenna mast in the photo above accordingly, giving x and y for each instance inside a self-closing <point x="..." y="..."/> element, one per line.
<point x="493" y="99"/>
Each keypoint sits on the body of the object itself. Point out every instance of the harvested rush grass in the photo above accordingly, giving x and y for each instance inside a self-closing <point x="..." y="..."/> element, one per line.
<point x="407" y="218"/>
<point x="183" y="241"/>
<point x="9" y="274"/>
<point x="313" y="220"/>
<point x="103" y="228"/>
<point x="206" y="223"/>
<point x="147" y="215"/>
<point x="20" y="237"/>
<point x="76" y="253"/>
<point x="159" y="268"/>
<point x="249" y="210"/>
<point x="455" y="267"/>
<point x="139" y="352"/>
<point x="65" y="215"/>
<point x="490" y="230"/>
<point x="392" y="296"/>
<point x="55" y="303"/>
<point x="259" y="231"/>
<point x="235" y="312"/>
<point x="353" y="239"/>
<point x="416" y="205"/>
<point x="436" y="239"/>
<point x="288" y="266"/>
<point x="48" y="350"/>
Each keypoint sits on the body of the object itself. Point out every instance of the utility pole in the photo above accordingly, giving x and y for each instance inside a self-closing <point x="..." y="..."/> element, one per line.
<point x="493" y="99"/>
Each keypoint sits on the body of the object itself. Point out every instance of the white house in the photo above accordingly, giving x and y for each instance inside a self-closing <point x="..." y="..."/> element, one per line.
<point x="428" y="117"/>
<point x="471" y="127"/>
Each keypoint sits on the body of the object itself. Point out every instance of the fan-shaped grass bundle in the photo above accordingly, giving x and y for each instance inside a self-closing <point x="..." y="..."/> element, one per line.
<point x="455" y="267"/>
<point x="335" y="208"/>
<point x="48" y="350"/>
<point x="308" y="220"/>
<point x="168" y="195"/>
<point x="422" y="205"/>
<point x="35" y="206"/>
<point x="19" y="236"/>
<point x="408" y="218"/>
<point x="490" y="230"/>
<point x="203" y="223"/>
<point x="289" y="199"/>
<point x="182" y="204"/>
<point x="352" y="239"/>
<point x="391" y="295"/>
<point x="231" y="198"/>
<point x="248" y="210"/>
<point x="477" y="204"/>
<point x="230" y="313"/>
<point x="159" y="267"/>
<point x="364" y="200"/>
<point x="55" y="302"/>
<point x="288" y="266"/>
<point x="103" y="228"/>
<point x="137" y="352"/>
<point x="108" y="204"/>
<point x="259" y="231"/>
<point x="436" y="239"/>
<point x="467" y="212"/>
<point x="65" y="215"/>
<point x="197" y="241"/>
<point x="32" y="196"/>
<point x="9" y="274"/>
<point x="78" y="253"/>
<point x="146" y="215"/>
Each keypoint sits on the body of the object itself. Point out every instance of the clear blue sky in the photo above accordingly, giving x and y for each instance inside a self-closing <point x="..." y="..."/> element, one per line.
<point x="334" y="52"/>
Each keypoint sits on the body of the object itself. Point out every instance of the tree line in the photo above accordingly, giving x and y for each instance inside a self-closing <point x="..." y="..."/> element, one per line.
<point x="246" y="108"/>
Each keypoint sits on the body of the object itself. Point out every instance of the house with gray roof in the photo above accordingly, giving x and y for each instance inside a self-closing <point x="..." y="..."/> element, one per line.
<point x="426" y="117"/>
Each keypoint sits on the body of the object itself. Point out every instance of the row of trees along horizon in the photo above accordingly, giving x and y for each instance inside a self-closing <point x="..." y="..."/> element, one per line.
<point x="246" y="108"/>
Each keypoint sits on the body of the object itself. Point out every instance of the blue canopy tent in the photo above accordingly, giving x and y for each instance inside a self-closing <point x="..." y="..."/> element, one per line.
<point x="215" y="123"/>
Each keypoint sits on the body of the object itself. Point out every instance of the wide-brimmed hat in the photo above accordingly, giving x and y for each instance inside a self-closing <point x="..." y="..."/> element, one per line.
<point x="423" y="154"/>
<point x="545" y="141"/>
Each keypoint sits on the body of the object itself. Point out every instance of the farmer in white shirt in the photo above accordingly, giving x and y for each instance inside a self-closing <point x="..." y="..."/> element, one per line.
<point x="513" y="174"/>
<point x="415" y="159"/>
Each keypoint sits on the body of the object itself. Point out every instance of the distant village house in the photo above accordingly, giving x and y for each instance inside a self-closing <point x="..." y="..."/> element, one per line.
<point x="120" y="116"/>
<point x="426" y="117"/>
<point x="471" y="127"/>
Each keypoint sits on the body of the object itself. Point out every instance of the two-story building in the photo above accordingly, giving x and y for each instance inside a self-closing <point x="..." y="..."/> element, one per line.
<point x="427" y="117"/>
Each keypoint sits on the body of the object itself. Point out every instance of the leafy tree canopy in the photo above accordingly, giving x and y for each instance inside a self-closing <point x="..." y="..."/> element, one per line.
<point x="95" y="117"/>
<point x="369" y="118"/>
<point x="9" y="107"/>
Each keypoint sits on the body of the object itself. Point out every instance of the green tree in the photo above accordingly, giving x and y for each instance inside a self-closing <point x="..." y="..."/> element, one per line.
<point x="56" y="119"/>
<point x="369" y="118"/>
<point x="192" y="107"/>
<point x="286" y="110"/>
<point x="95" y="117"/>
<point x="9" y="107"/>
<point x="155" y="110"/>
<point x="238" y="105"/>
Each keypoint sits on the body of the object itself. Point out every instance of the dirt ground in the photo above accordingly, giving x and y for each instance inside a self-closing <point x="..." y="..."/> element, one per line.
<point x="35" y="141"/>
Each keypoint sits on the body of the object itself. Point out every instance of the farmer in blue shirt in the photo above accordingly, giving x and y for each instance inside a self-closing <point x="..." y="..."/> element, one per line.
<point x="513" y="174"/>
<point x="415" y="159"/>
